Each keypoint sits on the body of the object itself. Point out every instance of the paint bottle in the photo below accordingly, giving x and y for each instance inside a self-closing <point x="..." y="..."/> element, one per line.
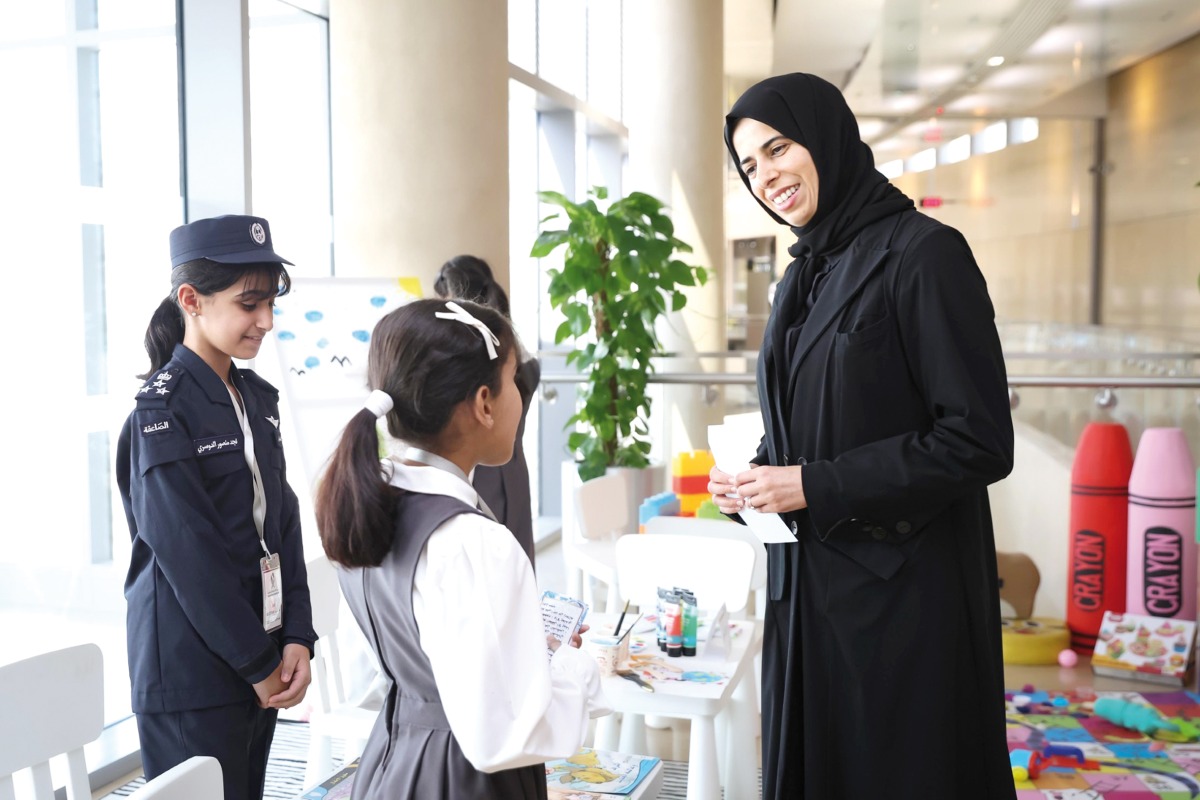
<point x="660" y="630"/>
<point x="673" y="623"/>
<point x="691" y="621"/>
<point x="1099" y="533"/>
<point x="1162" y="522"/>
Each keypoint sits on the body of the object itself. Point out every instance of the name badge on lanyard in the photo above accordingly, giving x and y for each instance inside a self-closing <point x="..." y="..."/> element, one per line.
<point x="268" y="565"/>
<point x="272" y="593"/>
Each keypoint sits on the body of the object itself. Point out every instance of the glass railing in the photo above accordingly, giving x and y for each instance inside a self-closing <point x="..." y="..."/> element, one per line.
<point x="1060" y="378"/>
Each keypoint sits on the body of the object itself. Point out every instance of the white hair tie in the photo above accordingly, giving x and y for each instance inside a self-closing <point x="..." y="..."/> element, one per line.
<point x="378" y="403"/>
<point x="462" y="315"/>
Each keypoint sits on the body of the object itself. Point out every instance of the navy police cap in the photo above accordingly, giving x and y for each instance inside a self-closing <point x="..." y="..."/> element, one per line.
<point x="231" y="239"/>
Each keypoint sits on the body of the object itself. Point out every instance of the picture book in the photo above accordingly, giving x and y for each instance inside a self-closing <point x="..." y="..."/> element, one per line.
<point x="597" y="773"/>
<point x="1139" y="647"/>
<point x="561" y="616"/>
<point x="336" y="786"/>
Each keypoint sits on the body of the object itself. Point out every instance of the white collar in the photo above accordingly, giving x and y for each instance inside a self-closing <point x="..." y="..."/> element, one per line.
<point x="430" y="480"/>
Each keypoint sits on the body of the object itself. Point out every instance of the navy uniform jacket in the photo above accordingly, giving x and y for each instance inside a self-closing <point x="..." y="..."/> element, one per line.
<point x="194" y="587"/>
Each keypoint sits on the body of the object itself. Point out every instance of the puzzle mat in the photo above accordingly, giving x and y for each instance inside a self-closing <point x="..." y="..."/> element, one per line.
<point x="1133" y="766"/>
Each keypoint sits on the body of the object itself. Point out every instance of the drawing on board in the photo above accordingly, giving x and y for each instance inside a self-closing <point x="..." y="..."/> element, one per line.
<point x="323" y="330"/>
<point x="322" y="335"/>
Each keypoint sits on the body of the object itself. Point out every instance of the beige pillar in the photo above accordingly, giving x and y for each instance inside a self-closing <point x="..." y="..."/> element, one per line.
<point x="674" y="108"/>
<point x="419" y="104"/>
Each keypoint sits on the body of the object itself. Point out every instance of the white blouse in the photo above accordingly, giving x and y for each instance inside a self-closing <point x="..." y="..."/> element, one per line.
<point x="478" y="609"/>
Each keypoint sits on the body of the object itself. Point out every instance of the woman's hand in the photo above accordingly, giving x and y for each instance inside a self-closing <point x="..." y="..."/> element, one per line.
<point x="721" y="484"/>
<point x="771" y="490"/>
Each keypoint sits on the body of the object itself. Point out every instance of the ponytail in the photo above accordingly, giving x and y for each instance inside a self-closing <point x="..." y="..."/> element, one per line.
<point x="164" y="332"/>
<point x="426" y="366"/>
<point x="354" y="502"/>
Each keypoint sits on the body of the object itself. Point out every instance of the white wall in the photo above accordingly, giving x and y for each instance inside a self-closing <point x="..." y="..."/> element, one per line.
<point x="1031" y="510"/>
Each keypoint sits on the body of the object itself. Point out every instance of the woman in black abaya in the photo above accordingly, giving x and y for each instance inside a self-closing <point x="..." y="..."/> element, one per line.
<point x="886" y="413"/>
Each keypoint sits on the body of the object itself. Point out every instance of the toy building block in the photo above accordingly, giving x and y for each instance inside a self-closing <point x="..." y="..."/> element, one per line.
<point x="689" y="479"/>
<point x="708" y="510"/>
<point x="663" y="504"/>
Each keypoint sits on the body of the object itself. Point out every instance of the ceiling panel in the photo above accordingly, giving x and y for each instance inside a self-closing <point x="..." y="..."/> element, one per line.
<point x="916" y="73"/>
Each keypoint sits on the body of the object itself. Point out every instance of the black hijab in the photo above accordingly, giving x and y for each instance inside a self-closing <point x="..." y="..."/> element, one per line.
<point x="852" y="193"/>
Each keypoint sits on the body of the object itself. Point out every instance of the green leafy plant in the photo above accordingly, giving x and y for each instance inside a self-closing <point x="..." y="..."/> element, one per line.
<point x="619" y="276"/>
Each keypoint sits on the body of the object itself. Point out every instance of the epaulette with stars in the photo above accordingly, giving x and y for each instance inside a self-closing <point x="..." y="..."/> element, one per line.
<point x="156" y="391"/>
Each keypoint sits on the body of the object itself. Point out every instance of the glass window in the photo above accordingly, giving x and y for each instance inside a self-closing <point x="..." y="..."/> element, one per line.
<point x="604" y="56"/>
<point x="992" y="138"/>
<point x="562" y="44"/>
<point x="892" y="169"/>
<point x="922" y="161"/>
<point x="1023" y="129"/>
<point x="955" y="150"/>
<point x="289" y="132"/>
<point x="522" y="34"/>
<point x="87" y="196"/>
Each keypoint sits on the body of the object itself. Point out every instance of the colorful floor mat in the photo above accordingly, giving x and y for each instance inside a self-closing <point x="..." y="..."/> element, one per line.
<point x="1129" y="765"/>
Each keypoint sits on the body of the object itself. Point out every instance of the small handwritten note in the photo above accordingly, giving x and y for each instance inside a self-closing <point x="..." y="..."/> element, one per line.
<point x="561" y="616"/>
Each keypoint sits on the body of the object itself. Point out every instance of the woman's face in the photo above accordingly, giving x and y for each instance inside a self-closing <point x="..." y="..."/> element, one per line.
<point x="781" y="172"/>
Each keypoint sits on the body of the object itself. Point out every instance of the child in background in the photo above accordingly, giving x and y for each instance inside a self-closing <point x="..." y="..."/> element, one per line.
<point x="505" y="488"/>
<point x="219" y="620"/>
<point x="442" y="591"/>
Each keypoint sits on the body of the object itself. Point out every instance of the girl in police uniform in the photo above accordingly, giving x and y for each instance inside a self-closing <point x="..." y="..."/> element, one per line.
<point x="219" y="621"/>
<point x="444" y="593"/>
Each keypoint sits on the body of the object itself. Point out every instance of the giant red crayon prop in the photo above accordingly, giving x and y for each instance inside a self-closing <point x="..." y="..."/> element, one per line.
<point x="1099" y="530"/>
<point x="1162" y="522"/>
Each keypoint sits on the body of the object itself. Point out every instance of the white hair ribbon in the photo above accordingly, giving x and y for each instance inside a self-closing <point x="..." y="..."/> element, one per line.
<point x="378" y="403"/>
<point x="462" y="315"/>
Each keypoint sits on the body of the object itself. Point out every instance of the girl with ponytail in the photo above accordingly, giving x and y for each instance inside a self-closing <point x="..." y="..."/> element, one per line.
<point x="220" y="622"/>
<point x="442" y="591"/>
<point x="505" y="488"/>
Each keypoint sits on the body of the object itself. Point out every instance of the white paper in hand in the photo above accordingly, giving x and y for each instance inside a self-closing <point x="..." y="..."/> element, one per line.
<point x="729" y="444"/>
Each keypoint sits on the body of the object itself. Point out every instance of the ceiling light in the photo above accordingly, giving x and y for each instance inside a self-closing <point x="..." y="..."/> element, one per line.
<point x="995" y="61"/>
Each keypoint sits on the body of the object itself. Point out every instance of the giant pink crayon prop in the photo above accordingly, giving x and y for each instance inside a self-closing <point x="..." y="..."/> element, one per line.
<point x="1099" y="526"/>
<point x="1162" y="523"/>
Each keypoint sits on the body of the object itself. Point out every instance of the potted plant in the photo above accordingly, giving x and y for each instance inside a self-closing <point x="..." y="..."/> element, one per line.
<point x="619" y="276"/>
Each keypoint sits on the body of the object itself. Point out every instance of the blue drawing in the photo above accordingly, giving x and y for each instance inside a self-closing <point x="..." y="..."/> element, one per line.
<point x="277" y="310"/>
<point x="311" y="362"/>
<point x="314" y="316"/>
<point x="362" y="336"/>
<point x="322" y="342"/>
<point x="286" y="336"/>
<point x="378" y="301"/>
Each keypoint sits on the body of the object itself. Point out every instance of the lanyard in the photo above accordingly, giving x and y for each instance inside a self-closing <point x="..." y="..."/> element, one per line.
<point x="446" y="465"/>
<point x="260" y="497"/>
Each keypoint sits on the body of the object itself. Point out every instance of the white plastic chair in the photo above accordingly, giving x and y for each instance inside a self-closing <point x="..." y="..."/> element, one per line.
<point x="729" y="530"/>
<point x="601" y="507"/>
<point x="333" y="716"/>
<point x="50" y="704"/>
<point x="717" y="569"/>
<point x="198" y="778"/>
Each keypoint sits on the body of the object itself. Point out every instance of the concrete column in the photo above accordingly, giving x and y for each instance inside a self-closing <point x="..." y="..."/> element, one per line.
<point x="674" y="108"/>
<point x="419" y="104"/>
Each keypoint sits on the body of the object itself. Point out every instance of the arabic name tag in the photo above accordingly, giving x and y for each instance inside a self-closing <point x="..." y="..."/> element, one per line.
<point x="272" y="591"/>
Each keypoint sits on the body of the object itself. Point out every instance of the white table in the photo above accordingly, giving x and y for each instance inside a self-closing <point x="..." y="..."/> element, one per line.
<point x="729" y="708"/>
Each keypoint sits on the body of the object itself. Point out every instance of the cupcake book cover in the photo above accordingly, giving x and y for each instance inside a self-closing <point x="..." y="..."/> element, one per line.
<point x="1155" y="649"/>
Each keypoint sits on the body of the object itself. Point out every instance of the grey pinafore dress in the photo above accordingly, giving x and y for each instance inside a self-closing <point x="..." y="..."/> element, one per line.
<point x="412" y="753"/>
